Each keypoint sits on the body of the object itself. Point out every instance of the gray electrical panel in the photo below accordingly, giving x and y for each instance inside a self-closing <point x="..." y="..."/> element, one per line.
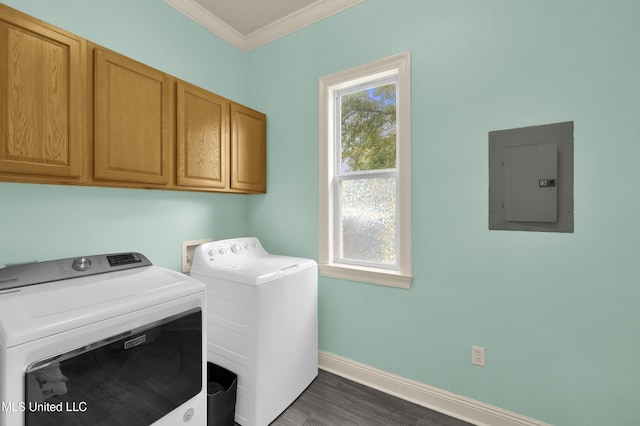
<point x="531" y="178"/>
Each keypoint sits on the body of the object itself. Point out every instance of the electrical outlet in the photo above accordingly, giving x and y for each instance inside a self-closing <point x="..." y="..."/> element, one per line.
<point x="477" y="355"/>
<point x="188" y="247"/>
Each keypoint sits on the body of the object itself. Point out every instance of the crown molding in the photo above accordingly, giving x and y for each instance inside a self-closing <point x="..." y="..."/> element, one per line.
<point x="297" y="20"/>
<point x="202" y="16"/>
<point x="293" y="22"/>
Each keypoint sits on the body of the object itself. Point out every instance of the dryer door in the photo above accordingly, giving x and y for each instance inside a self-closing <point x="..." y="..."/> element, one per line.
<point x="131" y="379"/>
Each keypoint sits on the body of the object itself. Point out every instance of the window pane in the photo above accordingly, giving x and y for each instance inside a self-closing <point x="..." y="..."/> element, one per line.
<point x="368" y="129"/>
<point x="368" y="220"/>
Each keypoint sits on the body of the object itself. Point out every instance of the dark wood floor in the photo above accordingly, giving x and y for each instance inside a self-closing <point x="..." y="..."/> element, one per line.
<point x="335" y="401"/>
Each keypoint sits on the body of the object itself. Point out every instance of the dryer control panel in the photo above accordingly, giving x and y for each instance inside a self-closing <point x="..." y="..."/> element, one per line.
<point x="73" y="267"/>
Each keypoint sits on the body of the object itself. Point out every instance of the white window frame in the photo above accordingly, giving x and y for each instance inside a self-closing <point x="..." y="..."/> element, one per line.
<point x="400" y="66"/>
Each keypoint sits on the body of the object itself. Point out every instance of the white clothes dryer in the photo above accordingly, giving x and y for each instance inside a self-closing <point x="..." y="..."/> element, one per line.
<point x="262" y="323"/>
<point x="104" y="339"/>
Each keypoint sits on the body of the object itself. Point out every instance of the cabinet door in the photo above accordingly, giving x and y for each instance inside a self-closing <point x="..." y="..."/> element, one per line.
<point x="42" y="99"/>
<point x="131" y="120"/>
<point x="202" y="138"/>
<point x="248" y="149"/>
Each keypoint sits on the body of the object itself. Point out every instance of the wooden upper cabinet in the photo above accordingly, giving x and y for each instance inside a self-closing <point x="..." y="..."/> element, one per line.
<point x="74" y="112"/>
<point x="43" y="86"/>
<point x="248" y="149"/>
<point x="202" y="138"/>
<point x="132" y="120"/>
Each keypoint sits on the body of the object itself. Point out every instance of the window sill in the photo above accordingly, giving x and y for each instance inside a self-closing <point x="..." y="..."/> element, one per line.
<point x="367" y="275"/>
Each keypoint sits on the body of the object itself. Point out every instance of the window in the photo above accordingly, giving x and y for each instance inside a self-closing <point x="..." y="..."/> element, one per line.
<point x="365" y="173"/>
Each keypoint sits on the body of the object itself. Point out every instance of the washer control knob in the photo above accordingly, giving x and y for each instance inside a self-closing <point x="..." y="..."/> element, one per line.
<point x="81" y="264"/>
<point x="248" y="246"/>
<point x="256" y="245"/>
<point x="236" y="248"/>
<point x="223" y="251"/>
<point x="212" y="253"/>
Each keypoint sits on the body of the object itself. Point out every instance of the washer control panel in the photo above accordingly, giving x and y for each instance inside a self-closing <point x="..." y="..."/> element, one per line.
<point x="62" y="269"/>
<point x="233" y="250"/>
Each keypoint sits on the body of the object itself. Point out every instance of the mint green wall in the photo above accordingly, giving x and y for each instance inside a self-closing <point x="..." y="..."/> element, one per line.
<point x="40" y="222"/>
<point x="557" y="313"/>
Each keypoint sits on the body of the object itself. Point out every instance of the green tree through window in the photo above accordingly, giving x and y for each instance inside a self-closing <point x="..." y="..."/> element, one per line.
<point x="369" y="129"/>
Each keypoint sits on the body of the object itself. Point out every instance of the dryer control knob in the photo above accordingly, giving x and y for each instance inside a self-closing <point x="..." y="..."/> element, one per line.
<point x="81" y="264"/>
<point x="212" y="253"/>
<point x="236" y="248"/>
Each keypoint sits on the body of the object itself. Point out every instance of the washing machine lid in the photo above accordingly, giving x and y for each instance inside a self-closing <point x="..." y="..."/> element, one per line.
<point x="37" y="311"/>
<point x="255" y="271"/>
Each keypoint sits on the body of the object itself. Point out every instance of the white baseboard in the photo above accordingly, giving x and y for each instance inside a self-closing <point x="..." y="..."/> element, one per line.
<point x="448" y="403"/>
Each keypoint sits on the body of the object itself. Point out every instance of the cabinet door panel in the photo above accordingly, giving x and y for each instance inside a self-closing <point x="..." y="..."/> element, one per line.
<point x="42" y="99"/>
<point x="202" y="138"/>
<point x="132" y="119"/>
<point x="248" y="149"/>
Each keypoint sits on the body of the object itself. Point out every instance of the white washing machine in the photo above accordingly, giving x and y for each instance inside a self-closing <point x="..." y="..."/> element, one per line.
<point x="104" y="339"/>
<point x="262" y="323"/>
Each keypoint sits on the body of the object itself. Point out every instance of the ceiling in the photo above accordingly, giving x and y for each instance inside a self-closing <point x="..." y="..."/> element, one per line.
<point x="248" y="24"/>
